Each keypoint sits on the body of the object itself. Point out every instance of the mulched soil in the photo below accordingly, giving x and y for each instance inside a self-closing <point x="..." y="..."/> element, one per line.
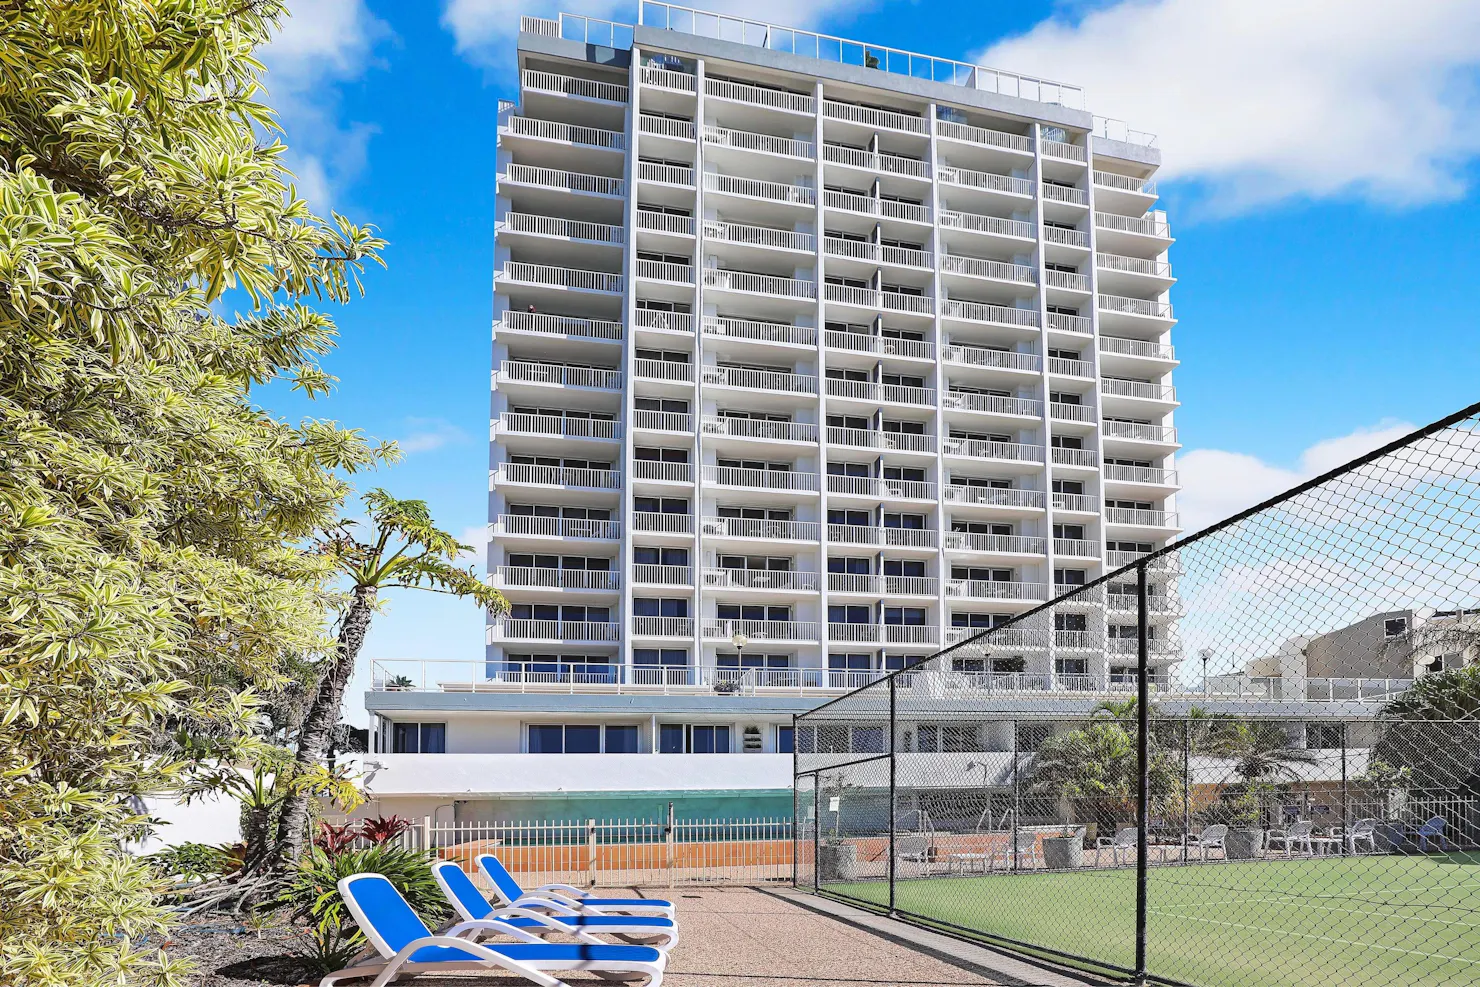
<point x="228" y="954"/>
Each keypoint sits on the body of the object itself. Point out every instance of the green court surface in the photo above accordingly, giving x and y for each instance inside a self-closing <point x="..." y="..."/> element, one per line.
<point x="1365" y="921"/>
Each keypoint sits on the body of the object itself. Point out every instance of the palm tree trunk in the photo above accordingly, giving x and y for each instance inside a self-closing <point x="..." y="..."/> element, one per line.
<point x="319" y="722"/>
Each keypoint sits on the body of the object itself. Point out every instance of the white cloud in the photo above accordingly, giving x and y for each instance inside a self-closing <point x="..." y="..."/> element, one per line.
<point x="323" y="43"/>
<point x="476" y="538"/>
<point x="1266" y="99"/>
<point x="483" y="27"/>
<point x="1217" y="484"/>
<point x="429" y="434"/>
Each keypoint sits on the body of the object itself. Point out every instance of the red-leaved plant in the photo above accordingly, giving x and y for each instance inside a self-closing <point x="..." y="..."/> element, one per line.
<point x="383" y="829"/>
<point x="334" y="839"/>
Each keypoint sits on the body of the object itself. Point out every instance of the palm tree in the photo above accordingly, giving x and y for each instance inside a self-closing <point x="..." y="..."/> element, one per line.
<point x="405" y="550"/>
<point x="1260" y="752"/>
<point x="1096" y="769"/>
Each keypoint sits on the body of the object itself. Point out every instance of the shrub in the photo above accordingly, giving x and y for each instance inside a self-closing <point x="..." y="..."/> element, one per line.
<point x="331" y="938"/>
<point x="191" y="860"/>
<point x="334" y="839"/>
<point x="383" y="829"/>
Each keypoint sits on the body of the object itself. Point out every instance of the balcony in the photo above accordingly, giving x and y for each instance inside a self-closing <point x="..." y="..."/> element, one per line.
<point x="759" y="284"/>
<point x="663" y="575"/>
<point x="668" y="370"/>
<point x="557" y="426"/>
<point x="1001" y="315"/>
<point x="656" y="126"/>
<point x="755" y="188"/>
<point x="981" y="356"/>
<point x="1157" y="604"/>
<point x="1079" y="548"/>
<point x="876" y="253"/>
<point x="1062" y="193"/>
<point x="987" y="449"/>
<point x="724" y="426"/>
<point x="663" y="421"/>
<point x="653" y="523"/>
<point x="1119" y="272"/>
<point x="1140" y="432"/>
<point x="984" y="137"/>
<point x="656" y="270"/>
<point x="1076" y="640"/>
<point x="994" y="497"/>
<point x="1076" y="503"/>
<point x="555" y="631"/>
<point x="759" y="529"/>
<point x="519" y="371"/>
<point x="660" y="222"/>
<point x="1141" y="390"/>
<point x="1139" y="225"/>
<point x="658" y="471"/>
<point x="775" y="99"/>
<point x="1078" y="325"/>
<point x="565" y="133"/>
<point x="1070" y="368"/>
<point x="665" y="321"/>
<point x="1131" y="646"/>
<point x="1137" y="348"/>
<point x="761" y="631"/>
<point x="883" y="634"/>
<point x="760" y="380"/>
<point x="566" y="477"/>
<point x="858" y="342"/>
<point x="1066" y="238"/>
<point x="765" y="237"/>
<point x="1162" y="563"/>
<point x="744" y="140"/>
<point x="1141" y="308"/>
<point x="985" y="181"/>
<point x="665" y="174"/>
<point x="996" y="270"/>
<point x="569" y="278"/>
<point x="565" y="181"/>
<point x="875" y="393"/>
<point x="1082" y="413"/>
<point x="992" y="404"/>
<point x="772" y="580"/>
<point x="1140" y="518"/>
<point x="679" y="627"/>
<point x="1151" y="475"/>
<point x="1125" y="183"/>
<point x="1066" y="281"/>
<point x="1003" y="637"/>
<point x="875" y="164"/>
<point x="858" y="534"/>
<point x="539" y="526"/>
<point x="991" y="589"/>
<point x="969" y="541"/>
<point x="682" y="82"/>
<point x="762" y="332"/>
<point x="566" y="229"/>
<point x="757" y="479"/>
<point x="873" y="118"/>
<point x="879" y="488"/>
<point x="1063" y="151"/>
<point x="1075" y="457"/>
<point x="975" y="223"/>
<point x="564" y="85"/>
<point x="867" y="584"/>
<point x="867" y="205"/>
<point x="860" y="438"/>
<point x="529" y="577"/>
<point x="583" y="330"/>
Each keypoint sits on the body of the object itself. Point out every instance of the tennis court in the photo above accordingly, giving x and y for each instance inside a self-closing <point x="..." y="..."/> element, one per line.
<point x="1395" y="921"/>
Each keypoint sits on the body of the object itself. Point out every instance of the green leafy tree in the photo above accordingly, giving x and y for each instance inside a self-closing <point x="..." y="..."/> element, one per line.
<point x="1430" y="733"/>
<point x="1096" y="769"/>
<point x="1259" y="752"/>
<point x="403" y="549"/>
<point x="156" y="566"/>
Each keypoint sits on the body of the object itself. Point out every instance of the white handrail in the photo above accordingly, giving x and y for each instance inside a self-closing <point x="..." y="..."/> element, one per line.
<point x="1062" y="193"/>
<point x="1004" y="544"/>
<point x="523" y="222"/>
<point x="558" y="476"/>
<point x="1064" y="150"/>
<point x="1070" y="368"/>
<point x="662" y="222"/>
<point x="1128" y="515"/>
<point x="561" y="325"/>
<point x="976" y="223"/>
<point x="548" y="578"/>
<point x="778" y="99"/>
<point x="770" y="579"/>
<point x="1074" y="457"/>
<point x="1136" y="306"/>
<point x="1149" y="390"/>
<point x="994" y="496"/>
<point x="871" y="117"/>
<point x="982" y="267"/>
<point x="733" y="476"/>
<point x="1066" y="279"/>
<point x="570" y="181"/>
<point x="893" y="164"/>
<point x="986" y="589"/>
<point x="1146" y="225"/>
<point x="555" y="373"/>
<point x="858" y="342"/>
<point x="559" y="425"/>
<point x="1080" y="325"/>
<point x="1069" y="238"/>
<point x="512" y="628"/>
<point x="1140" y="474"/>
<point x="663" y="575"/>
<point x="562" y="277"/>
<point x="1125" y="183"/>
<point x="765" y="284"/>
<point x="752" y="428"/>
<point x="769" y="332"/>
<point x="663" y="370"/>
<point x="1063" y="411"/>
<point x="1140" y="432"/>
<point x="652" y="171"/>
<point x="756" y="188"/>
<point x="992" y="403"/>
<point x="880" y="488"/>
<point x="569" y="85"/>
<point x="759" y="236"/>
<point x="982" y="135"/>
<point x="570" y="133"/>
<point x="665" y="126"/>
<point x="670" y="524"/>
<point x="765" y="380"/>
<point x="761" y="630"/>
<point x="982" y="356"/>
<point x="649" y="318"/>
<point x="746" y="140"/>
<point x="858" y="534"/>
<point x="658" y="270"/>
<point x="1133" y="265"/>
<point x="668" y="79"/>
<point x="986" y="180"/>
<point x="663" y="626"/>
<point x="1080" y="548"/>
<point x="557" y="527"/>
<point x="1082" y="503"/>
<point x="987" y="312"/>
<point x="988" y="449"/>
<point x="662" y="421"/>
<point x="761" y="529"/>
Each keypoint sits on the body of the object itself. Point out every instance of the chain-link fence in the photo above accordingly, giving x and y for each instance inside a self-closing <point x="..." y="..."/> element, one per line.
<point x="1251" y="758"/>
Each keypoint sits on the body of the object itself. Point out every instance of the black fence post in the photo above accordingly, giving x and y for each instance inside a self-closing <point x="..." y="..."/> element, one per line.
<point x="893" y="803"/>
<point x="1016" y="796"/>
<point x="1345" y="809"/>
<point x="817" y="831"/>
<point x="796" y="821"/>
<point x="1143" y="768"/>
<point x="1186" y="786"/>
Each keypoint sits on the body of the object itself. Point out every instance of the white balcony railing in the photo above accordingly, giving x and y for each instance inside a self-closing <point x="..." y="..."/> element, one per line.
<point x="1144" y="225"/>
<point x="858" y="342"/>
<point x="988" y="589"/>
<point x="761" y="630"/>
<point x="1144" y="389"/>
<point x="986" y="180"/>
<point x="776" y="99"/>
<point x="982" y="356"/>
<point x="568" y="181"/>
<point x="1066" y="238"/>
<point x="1080" y="548"/>
<point x="992" y="404"/>
<point x="988" y="449"/>
<point x="1140" y="431"/>
<point x="1063" y="193"/>
<point x="976" y="223"/>
<point x="538" y="526"/>
<point x="683" y="82"/>
<point x="663" y="472"/>
<point x="567" y="85"/>
<point x="766" y="579"/>
<point x="757" y="479"/>
<point x="521" y="222"/>
<point x="1063" y="150"/>
<point x="880" y="163"/>
<point x="651" y="522"/>
<point x="872" y="117"/>
<point x="666" y="174"/>
<point x="555" y="631"/>
<point x="561" y="277"/>
<point x="981" y="135"/>
<point x="1080" y="325"/>
<point x="756" y="188"/>
<point x="876" y="584"/>
<point x="558" y="476"/>
<point x="761" y="529"/>
<point x="1067" y="280"/>
<point x="761" y="284"/>
<point x="898" y="301"/>
<point x="666" y="127"/>
<point x="663" y="626"/>
<point x="982" y="268"/>
<point x="1125" y="183"/>
<point x="668" y="321"/>
<point x="1133" y="265"/>
<point x="1075" y="457"/>
<point x="759" y="236"/>
<point x="994" y="496"/>
<point x="754" y="428"/>
<point x="865" y="438"/>
<point x="663" y="575"/>
<point x="1070" y="368"/>
<point x="868" y="205"/>
<point x="558" y="426"/>
<point x="1082" y="503"/>
<point x="971" y="541"/>
<point x="561" y="325"/>
<point x="987" y="312"/>
<point x="857" y="534"/>
<point x="762" y="380"/>
<point x="662" y="222"/>
<point x="880" y="488"/>
<point x="764" y="143"/>
<point x="1140" y="518"/>
<point x="531" y="577"/>
<point x="1122" y="346"/>
<point x="877" y="253"/>
<point x="866" y="390"/>
<point x="1065" y="412"/>
<point x="1162" y="563"/>
<point x="765" y="332"/>
<point x="663" y="421"/>
<point x="554" y="373"/>
<point x="663" y="370"/>
<point x="1148" y="307"/>
<point x="612" y="140"/>
<point x="1140" y="474"/>
<point x="658" y="270"/>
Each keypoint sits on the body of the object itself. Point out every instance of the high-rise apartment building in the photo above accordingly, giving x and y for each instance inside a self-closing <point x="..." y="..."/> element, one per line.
<point x="809" y="358"/>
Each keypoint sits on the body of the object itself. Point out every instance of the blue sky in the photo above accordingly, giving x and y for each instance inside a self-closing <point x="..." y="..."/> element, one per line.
<point x="1321" y="184"/>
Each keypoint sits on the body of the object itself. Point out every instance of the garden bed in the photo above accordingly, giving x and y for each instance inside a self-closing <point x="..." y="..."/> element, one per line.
<point x="229" y="954"/>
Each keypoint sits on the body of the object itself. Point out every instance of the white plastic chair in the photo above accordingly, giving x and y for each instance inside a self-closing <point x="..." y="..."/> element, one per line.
<point x="1299" y="834"/>
<point x="1211" y="838"/>
<point x="913" y="850"/>
<point x="1362" y="829"/>
<point x="1123" y="841"/>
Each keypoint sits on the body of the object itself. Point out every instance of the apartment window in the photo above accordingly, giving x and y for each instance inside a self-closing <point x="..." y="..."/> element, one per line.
<point x="1070" y="622"/>
<point x="903" y="428"/>
<point x="1134" y="505"/>
<point x="1324" y="736"/>
<point x="660" y="607"/>
<point x="621" y="739"/>
<point x="1139" y="547"/>
<point x="903" y="380"/>
<point x="549" y="611"/>
<point x="693" y="738"/>
<point x="566" y="668"/>
<point x="663" y="356"/>
<point x="756" y="513"/>
<point x="1071" y="666"/>
<point x="1062" y="269"/>
<point x="981" y="573"/>
<point x="904" y="567"/>
<point x="840" y="614"/>
<point x="671" y="405"/>
<point x="661" y="258"/>
<point x="982" y="621"/>
<point x="418" y="738"/>
<point x="1064" y="397"/>
<point x="1068" y="577"/>
<point x="1128" y="632"/>
<point x="660" y="505"/>
<point x="660" y="657"/>
<point x="1061" y="309"/>
<point x="1068" y="486"/>
<point x="849" y="565"/>
<point x="563" y="738"/>
<point x="838" y="373"/>
<point x="913" y="474"/>
<point x="851" y="662"/>
<point x="1139" y="463"/>
<point x="1067" y="442"/>
<point x="837" y="516"/>
<point x="981" y="482"/>
<point x="568" y="562"/>
<point x="1032" y="736"/>
<point x="982" y="527"/>
<point x="887" y="333"/>
<point x="751" y="611"/>
<point x="1072" y="531"/>
<point x="570" y="464"/>
<point x="905" y="616"/>
<point x="947" y="738"/>
<point x="660" y="556"/>
<point x="847" y="421"/>
<point x="765" y="563"/>
<point x="786" y="740"/>
<point x="1395" y="627"/>
<point x="753" y="464"/>
<point x="749" y="660"/>
<point x="911" y="522"/>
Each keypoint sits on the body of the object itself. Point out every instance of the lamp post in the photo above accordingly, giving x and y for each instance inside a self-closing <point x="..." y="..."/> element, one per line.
<point x="739" y="641"/>
<point x="1205" y="654"/>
